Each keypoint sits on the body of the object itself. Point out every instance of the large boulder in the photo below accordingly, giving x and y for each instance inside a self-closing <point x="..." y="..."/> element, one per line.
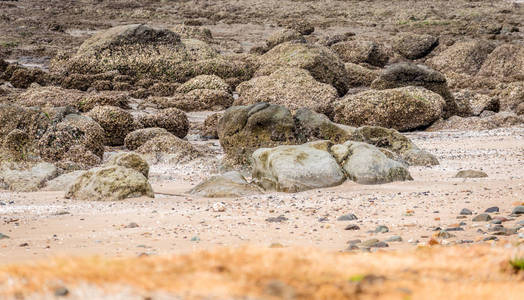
<point x="208" y="82"/>
<point x="192" y="32"/>
<point x="473" y="104"/>
<point x="26" y="178"/>
<point x="511" y="96"/>
<point x="209" y="128"/>
<point x="230" y="184"/>
<point x="296" y="168"/>
<point x="359" y="75"/>
<point x="196" y="100"/>
<point x="72" y="132"/>
<point x="462" y="57"/>
<point x="282" y="36"/>
<point x="170" y="149"/>
<point x="172" y="119"/>
<point x="137" y="138"/>
<point x="51" y="96"/>
<point x="31" y="120"/>
<point x="321" y="62"/>
<point x="414" y="46"/>
<point x="362" y="51"/>
<point x="312" y="126"/>
<point x="130" y="160"/>
<point x="408" y="74"/>
<point x="501" y="119"/>
<point x="293" y="88"/>
<point x="366" y="164"/>
<point x="243" y="129"/>
<point x="403" y="109"/>
<point x="505" y="62"/>
<point x="117" y="123"/>
<point x="110" y="183"/>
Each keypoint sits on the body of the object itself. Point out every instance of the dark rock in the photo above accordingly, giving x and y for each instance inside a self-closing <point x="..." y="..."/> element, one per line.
<point x="352" y="227"/>
<point x="348" y="217"/>
<point x="492" y="209"/>
<point x="466" y="211"/>
<point x="381" y="229"/>
<point x="482" y="218"/>
<point x="519" y="210"/>
<point x="278" y="219"/>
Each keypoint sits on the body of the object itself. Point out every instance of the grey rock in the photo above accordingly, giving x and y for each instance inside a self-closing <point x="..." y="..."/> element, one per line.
<point x="471" y="174"/>
<point x="352" y="227"/>
<point x="481" y="218"/>
<point x="278" y="219"/>
<point x="395" y="238"/>
<point x="519" y="210"/>
<point x="466" y="211"/>
<point x="348" y="217"/>
<point x="492" y="209"/>
<point x="381" y="229"/>
<point x="230" y="184"/>
<point x="21" y="179"/>
<point x="62" y="182"/>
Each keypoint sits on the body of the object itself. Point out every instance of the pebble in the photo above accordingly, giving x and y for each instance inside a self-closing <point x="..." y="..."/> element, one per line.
<point x="491" y="238"/>
<point x="278" y="219"/>
<point x="3" y="236"/>
<point x="481" y="218"/>
<point x="395" y="238"/>
<point x="369" y="243"/>
<point x="466" y="211"/>
<point x="455" y="229"/>
<point x="61" y="292"/>
<point x="492" y="209"/>
<point x="353" y="242"/>
<point x="352" y="227"/>
<point x="219" y="207"/>
<point x="496" y="221"/>
<point x="348" y="217"/>
<point x="24" y="245"/>
<point x="381" y="229"/>
<point x="519" y="210"/>
<point x="443" y="234"/>
<point x="131" y="225"/>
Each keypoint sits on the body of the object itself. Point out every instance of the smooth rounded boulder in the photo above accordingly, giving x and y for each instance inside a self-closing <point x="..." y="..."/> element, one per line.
<point x="296" y="168"/>
<point x="230" y="184"/>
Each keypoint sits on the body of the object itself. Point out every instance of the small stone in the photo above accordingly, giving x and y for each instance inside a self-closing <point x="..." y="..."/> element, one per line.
<point x="492" y="209"/>
<point x="278" y="219"/>
<point x="455" y="229"/>
<point x="381" y="229"/>
<point x="3" y="236"/>
<point x="496" y="228"/>
<point x="354" y="242"/>
<point x="491" y="238"/>
<point x="395" y="238"/>
<point x="348" y="217"/>
<point x="466" y="211"/>
<point x="195" y="239"/>
<point x="61" y="292"/>
<point x="219" y="207"/>
<point x="24" y="245"/>
<point x="352" y="227"/>
<point x="369" y="243"/>
<point x="482" y="218"/>
<point x="381" y="245"/>
<point x="519" y="210"/>
<point x="471" y="174"/>
<point x="352" y="247"/>
<point x="131" y="225"/>
<point x="496" y="221"/>
<point x="443" y="234"/>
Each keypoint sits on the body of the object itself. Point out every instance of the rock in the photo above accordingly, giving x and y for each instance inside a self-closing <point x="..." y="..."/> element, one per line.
<point x="417" y="157"/>
<point x="492" y="209"/>
<point x="365" y="164"/>
<point x="405" y="108"/>
<point x="381" y="229"/>
<point x="196" y="100"/>
<point x="300" y="25"/>
<point x="61" y="292"/>
<point x="131" y="225"/>
<point x="501" y="119"/>
<point x="192" y="32"/>
<point x="443" y="234"/>
<point x="172" y="119"/>
<point x="282" y="36"/>
<point x="51" y="96"/>
<point x="462" y="57"/>
<point x="505" y="62"/>
<point x="362" y="51"/>
<point x="117" y="123"/>
<point x="409" y="74"/>
<point x="293" y="88"/>
<point x="352" y="227"/>
<point x="278" y="219"/>
<point x="74" y="132"/>
<point x="219" y="207"/>
<point x="23" y="178"/>
<point x="104" y="98"/>
<point x="170" y="149"/>
<point x="130" y="160"/>
<point x="62" y="182"/>
<point x="518" y="210"/>
<point x="369" y="243"/>
<point x="395" y="238"/>
<point x="482" y="218"/>
<point x="3" y="236"/>
<point x="348" y="217"/>
<point x="207" y="82"/>
<point x="512" y="96"/>
<point x="230" y="184"/>
<point x="31" y="120"/>
<point x="359" y="75"/>
<point x="466" y="211"/>
<point x="210" y="127"/>
<point x="137" y="138"/>
<point x="296" y="168"/>
<point x="414" y="46"/>
<point x="474" y="103"/>
<point x="312" y="126"/>
<point x="110" y="183"/>
<point x="17" y="145"/>
<point x="320" y="61"/>
<point x="243" y="129"/>
<point x="470" y="174"/>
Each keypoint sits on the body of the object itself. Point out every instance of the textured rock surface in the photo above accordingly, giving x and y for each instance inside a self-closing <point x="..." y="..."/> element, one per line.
<point x="366" y="164"/>
<point x="293" y="88"/>
<point x="403" y="109"/>
<point x="21" y="178"/>
<point x="230" y="184"/>
<point x="110" y="183"/>
<point x="505" y="62"/>
<point x="172" y="119"/>
<point x="296" y="168"/>
<point x="414" y="46"/>
<point x="170" y="149"/>
<point x="117" y="123"/>
<point x="321" y="62"/>
<point x="463" y="57"/>
<point x="139" y="137"/>
<point x="362" y="51"/>
<point x="130" y="160"/>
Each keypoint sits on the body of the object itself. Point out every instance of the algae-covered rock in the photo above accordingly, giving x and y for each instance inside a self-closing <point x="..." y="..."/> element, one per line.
<point x="137" y="138"/>
<point x="130" y="160"/>
<point x="117" y="123"/>
<point x="362" y="51"/>
<point x="110" y="183"/>
<point x="172" y="119"/>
